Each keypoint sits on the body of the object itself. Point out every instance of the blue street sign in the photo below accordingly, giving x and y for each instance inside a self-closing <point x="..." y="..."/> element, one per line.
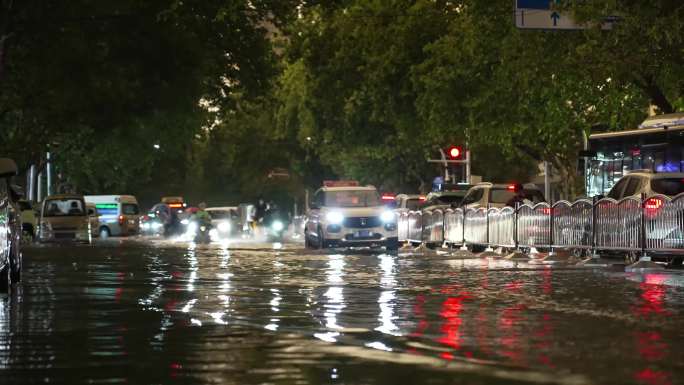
<point x="534" y="4"/>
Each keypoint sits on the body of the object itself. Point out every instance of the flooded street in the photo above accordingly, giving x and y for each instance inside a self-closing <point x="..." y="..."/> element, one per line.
<point x="150" y="312"/>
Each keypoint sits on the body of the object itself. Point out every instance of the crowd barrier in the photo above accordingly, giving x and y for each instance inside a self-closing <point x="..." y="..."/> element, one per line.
<point x="653" y="224"/>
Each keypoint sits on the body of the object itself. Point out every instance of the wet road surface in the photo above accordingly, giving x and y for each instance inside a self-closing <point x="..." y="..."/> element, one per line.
<point x="151" y="312"/>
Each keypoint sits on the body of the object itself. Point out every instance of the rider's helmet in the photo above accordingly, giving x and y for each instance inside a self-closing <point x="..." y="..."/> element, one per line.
<point x="202" y="206"/>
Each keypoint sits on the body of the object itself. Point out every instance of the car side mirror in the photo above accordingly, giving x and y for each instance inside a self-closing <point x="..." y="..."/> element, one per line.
<point x="7" y="168"/>
<point x="599" y="197"/>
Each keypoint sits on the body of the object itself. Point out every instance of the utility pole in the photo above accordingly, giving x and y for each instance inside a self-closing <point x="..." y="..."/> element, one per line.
<point x="49" y="175"/>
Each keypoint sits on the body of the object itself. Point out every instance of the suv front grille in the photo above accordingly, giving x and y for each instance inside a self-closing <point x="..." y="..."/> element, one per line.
<point x="362" y="222"/>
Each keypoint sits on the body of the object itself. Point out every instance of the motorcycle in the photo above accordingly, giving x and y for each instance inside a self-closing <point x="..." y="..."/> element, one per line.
<point x="276" y="230"/>
<point x="200" y="232"/>
<point x="275" y="226"/>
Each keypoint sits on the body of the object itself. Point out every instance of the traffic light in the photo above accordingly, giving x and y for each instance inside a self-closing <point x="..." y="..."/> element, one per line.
<point x="454" y="152"/>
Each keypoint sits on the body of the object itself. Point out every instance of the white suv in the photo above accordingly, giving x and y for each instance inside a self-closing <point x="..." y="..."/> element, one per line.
<point x="346" y="214"/>
<point x="649" y="183"/>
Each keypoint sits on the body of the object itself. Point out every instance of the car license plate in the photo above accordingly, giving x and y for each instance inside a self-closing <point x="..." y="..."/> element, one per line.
<point x="362" y="234"/>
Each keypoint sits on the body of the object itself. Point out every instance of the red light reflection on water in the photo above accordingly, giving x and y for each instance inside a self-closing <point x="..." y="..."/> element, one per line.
<point x="652" y="294"/>
<point x="547" y="287"/>
<point x="514" y="286"/>
<point x="175" y="367"/>
<point x="652" y="377"/>
<point x="510" y="339"/>
<point x="419" y="312"/>
<point x="481" y="330"/>
<point x="452" y="308"/>
<point x="650" y="344"/>
<point x="544" y="336"/>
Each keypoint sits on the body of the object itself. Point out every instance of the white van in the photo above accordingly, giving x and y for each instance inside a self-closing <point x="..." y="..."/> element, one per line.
<point x="119" y="214"/>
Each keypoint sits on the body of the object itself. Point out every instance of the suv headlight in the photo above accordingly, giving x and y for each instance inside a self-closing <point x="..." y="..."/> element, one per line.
<point x="334" y="217"/>
<point x="223" y="227"/>
<point x="388" y="216"/>
<point x="277" y="226"/>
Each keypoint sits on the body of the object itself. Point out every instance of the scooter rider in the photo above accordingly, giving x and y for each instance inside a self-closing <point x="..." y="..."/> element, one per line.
<point x="260" y="210"/>
<point x="201" y="215"/>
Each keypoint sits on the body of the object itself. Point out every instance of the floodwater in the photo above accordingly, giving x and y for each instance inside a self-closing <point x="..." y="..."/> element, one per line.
<point x="154" y="312"/>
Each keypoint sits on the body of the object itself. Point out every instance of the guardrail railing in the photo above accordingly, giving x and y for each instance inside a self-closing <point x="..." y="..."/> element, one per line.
<point x="647" y="224"/>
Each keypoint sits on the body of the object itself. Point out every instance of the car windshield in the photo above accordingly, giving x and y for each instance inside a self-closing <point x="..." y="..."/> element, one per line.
<point x="668" y="186"/>
<point x="352" y="198"/>
<point x="413" y="204"/>
<point x="67" y="207"/>
<point x="451" y="198"/>
<point x="508" y="197"/>
<point x="220" y="214"/>
<point x="130" y="209"/>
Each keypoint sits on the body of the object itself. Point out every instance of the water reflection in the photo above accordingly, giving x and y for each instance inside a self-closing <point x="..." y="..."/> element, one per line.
<point x="652" y="347"/>
<point x="387" y="300"/>
<point x="210" y="314"/>
<point x="276" y="297"/>
<point x="334" y="298"/>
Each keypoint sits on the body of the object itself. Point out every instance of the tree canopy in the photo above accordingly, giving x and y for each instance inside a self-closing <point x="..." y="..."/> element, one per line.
<point x="213" y="96"/>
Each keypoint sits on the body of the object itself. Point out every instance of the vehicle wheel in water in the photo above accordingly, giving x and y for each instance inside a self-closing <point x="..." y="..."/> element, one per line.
<point x="307" y="242"/>
<point x="632" y="257"/>
<point x="322" y="243"/>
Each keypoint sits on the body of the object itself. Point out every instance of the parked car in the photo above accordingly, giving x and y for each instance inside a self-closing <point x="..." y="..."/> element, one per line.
<point x="10" y="229"/>
<point x="443" y="200"/>
<point x="119" y="214"/>
<point x="29" y="219"/>
<point x="94" y="219"/>
<point x="408" y="202"/>
<point x="501" y="195"/>
<point x="651" y="184"/>
<point x="64" y="217"/>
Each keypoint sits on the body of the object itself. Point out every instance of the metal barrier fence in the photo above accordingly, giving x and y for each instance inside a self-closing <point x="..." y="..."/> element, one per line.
<point x="502" y="226"/>
<point x="453" y="226"/>
<point x="664" y="223"/>
<point x="654" y="224"/>
<point x="433" y="227"/>
<point x="475" y="224"/>
<point x="415" y="227"/>
<point x="618" y="224"/>
<point x="534" y="225"/>
<point x="573" y="224"/>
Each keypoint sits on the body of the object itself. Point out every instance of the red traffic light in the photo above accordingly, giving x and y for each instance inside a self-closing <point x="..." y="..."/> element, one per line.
<point x="454" y="152"/>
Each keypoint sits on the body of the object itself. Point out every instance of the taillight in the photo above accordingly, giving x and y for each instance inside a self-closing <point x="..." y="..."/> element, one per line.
<point x="652" y="206"/>
<point x="121" y="220"/>
<point x="546" y="210"/>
